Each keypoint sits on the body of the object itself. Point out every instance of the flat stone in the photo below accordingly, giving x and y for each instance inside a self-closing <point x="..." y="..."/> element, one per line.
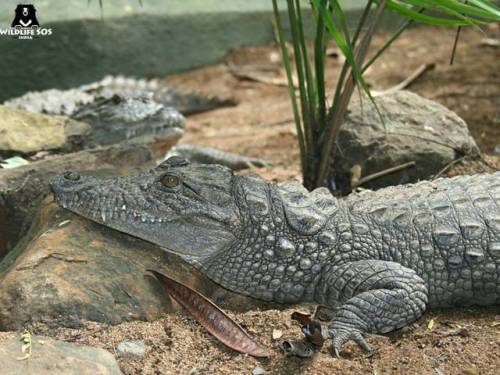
<point x="26" y="132"/>
<point x="136" y="348"/>
<point x="416" y="129"/>
<point x="55" y="357"/>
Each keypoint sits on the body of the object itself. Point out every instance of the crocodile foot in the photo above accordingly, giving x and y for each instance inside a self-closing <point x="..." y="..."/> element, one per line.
<point x="342" y="334"/>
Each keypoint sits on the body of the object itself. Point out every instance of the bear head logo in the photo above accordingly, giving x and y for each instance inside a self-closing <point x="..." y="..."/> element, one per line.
<point x="25" y="16"/>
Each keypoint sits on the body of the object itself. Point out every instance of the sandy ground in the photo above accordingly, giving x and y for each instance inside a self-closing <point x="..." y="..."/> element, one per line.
<point x="462" y="341"/>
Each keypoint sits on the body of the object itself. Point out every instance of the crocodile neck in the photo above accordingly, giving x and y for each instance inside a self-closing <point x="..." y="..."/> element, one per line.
<point x="272" y="260"/>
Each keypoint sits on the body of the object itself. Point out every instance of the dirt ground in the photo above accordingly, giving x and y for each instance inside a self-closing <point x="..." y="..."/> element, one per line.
<point x="462" y="341"/>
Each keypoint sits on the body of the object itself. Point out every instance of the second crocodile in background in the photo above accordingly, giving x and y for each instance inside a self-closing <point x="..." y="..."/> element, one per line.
<point x="379" y="258"/>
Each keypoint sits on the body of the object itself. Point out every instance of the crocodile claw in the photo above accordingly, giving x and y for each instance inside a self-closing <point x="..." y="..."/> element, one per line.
<point x="342" y="335"/>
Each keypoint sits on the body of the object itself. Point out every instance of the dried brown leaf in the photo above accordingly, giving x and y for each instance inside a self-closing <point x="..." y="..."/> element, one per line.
<point x="216" y="321"/>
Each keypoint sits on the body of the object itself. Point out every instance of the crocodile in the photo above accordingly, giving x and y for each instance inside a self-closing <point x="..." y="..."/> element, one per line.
<point x="138" y="119"/>
<point x="378" y="258"/>
<point x="67" y="102"/>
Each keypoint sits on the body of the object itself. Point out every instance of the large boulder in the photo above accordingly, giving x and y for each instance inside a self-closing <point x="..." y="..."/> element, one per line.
<point x="415" y="129"/>
<point x="23" y="188"/>
<point x="26" y="132"/>
<point x="55" y="357"/>
<point x="68" y="269"/>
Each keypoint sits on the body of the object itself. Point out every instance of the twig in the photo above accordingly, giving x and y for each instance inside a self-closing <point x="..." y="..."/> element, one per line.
<point x="448" y="166"/>
<point x="457" y="35"/>
<point x="253" y="75"/>
<point x="26" y="348"/>
<point x="487" y="163"/>
<point x="385" y="172"/>
<point x="455" y="43"/>
<point x="419" y="72"/>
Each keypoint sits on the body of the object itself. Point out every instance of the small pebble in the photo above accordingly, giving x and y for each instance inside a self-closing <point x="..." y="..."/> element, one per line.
<point x="135" y="349"/>
<point x="258" y="371"/>
<point x="277" y="333"/>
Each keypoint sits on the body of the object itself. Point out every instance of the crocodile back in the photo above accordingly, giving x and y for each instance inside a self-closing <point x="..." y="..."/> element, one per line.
<point x="448" y="230"/>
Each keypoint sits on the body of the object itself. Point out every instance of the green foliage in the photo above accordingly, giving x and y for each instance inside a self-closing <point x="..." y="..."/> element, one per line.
<point x="317" y="121"/>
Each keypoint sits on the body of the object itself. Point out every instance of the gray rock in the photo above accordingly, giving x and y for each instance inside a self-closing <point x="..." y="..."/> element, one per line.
<point x="136" y="348"/>
<point x="54" y="357"/>
<point x="416" y="129"/>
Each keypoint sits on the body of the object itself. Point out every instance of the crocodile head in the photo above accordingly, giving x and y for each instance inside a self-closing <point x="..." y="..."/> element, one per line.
<point x="188" y="209"/>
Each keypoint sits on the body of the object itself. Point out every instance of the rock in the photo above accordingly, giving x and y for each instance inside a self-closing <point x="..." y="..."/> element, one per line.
<point x="277" y="333"/>
<point x="258" y="371"/>
<point x="23" y="188"/>
<point x="107" y="120"/>
<point x="26" y="132"/>
<point x="13" y="162"/>
<point x="416" y="129"/>
<point x="54" y="357"/>
<point x="135" y="349"/>
<point x="68" y="269"/>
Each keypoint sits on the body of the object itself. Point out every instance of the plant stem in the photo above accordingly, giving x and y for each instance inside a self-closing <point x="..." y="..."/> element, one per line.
<point x="299" y="66"/>
<point x="291" y="89"/>
<point x="327" y="154"/>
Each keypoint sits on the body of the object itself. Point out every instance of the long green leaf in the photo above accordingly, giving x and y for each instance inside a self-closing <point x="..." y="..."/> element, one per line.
<point x="436" y="5"/>
<point x="414" y="15"/>
<point x="486" y="5"/>
<point x="343" y="45"/>
<point x="469" y="10"/>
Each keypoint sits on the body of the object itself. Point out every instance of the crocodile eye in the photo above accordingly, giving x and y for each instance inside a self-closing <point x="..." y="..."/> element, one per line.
<point x="72" y="176"/>
<point x="170" y="180"/>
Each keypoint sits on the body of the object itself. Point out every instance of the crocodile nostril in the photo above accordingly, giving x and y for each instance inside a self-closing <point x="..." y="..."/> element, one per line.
<point x="73" y="176"/>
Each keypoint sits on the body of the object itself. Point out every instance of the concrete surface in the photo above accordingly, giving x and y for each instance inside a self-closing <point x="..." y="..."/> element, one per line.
<point x="161" y="37"/>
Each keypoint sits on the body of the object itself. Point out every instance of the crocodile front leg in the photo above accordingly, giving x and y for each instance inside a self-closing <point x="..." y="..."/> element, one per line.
<point x="375" y="297"/>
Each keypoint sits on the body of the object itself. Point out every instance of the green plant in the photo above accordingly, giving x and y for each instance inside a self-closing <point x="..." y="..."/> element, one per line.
<point x="318" y="122"/>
